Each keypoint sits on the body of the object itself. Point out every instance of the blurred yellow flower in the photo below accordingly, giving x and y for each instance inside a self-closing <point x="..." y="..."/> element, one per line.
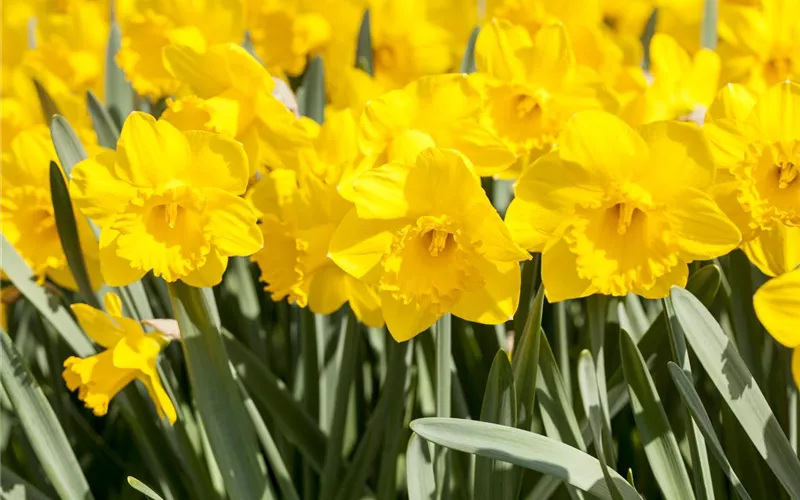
<point x="614" y="210"/>
<point x="533" y="86"/>
<point x="27" y="218"/>
<point x="682" y="86"/>
<point x="167" y="201"/>
<point x="777" y="305"/>
<point x="129" y="354"/>
<point x="760" y="46"/>
<point x="148" y="26"/>
<point x="441" y="111"/>
<point x="775" y="252"/>
<point x="232" y="95"/>
<point x="425" y="233"/>
<point x="299" y="212"/>
<point x="760" y="143"/>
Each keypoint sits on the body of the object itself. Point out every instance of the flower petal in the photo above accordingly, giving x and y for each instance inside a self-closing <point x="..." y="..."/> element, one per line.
<point x="96" y="189"/>
<point x="98" y="325"/>
<point x="328" y="289"/>
<point x="151" y="153"/>
<point x="232" y="223"/>
<point x="775" y="252"/>
<point x="777" y="303"/>
<point x="703" y="231"/>
<point x="405" y="321"/>
<point x="497" y="300"/>
<point x="496" y="50"/>
<point x="358" y="244"/>
<point x="560" y="275"/>
<point x="679" y="157"/>
<point x="210" y="273"/>
<point x="365" y="302"/>
<point x="116" y="271"/>
<point x="159" y="396"/>
<point x="777" y="113"/>
<point x="217" y="162"/>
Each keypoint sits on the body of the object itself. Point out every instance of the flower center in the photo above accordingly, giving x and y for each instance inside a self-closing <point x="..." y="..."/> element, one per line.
<point x="788" y="172"/>
<point x="385" y="56"/>
<point x="529" y="106"/>
<point x="778" y="68"/>
<point x="171" y="213"/>
<point x="624" y="213"/>
<point x="438" y="241"/>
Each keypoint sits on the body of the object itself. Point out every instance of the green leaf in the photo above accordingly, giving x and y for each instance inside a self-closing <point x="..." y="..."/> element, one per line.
<point x="67" y="229"/>
<point x="118" y="91"/>
<point x="692" y="401"/>
<point x="333" y="455"/>
<point x="48" y="306"/>
<point x="105" y="128"/>
<point x="708" y="33"/>
<point x="526" y="360"/>
<point x="68" y="147"/>
<point x="313" y="98"/>
<point x="590" y="395"/>
<point x="468" y="60"/>
<point x="524" y="449"/>
<point x="41" y="425"/>
<point x="659" y="442"/>
<point x="271" y="396"/>
<point x="16" y="488"/>
<point x="596" y="312"/>
<point x="364" y="55"/>
<point x="143" y="489"/>
<point x="49" y="106"/>
<point x="219" y="402"/>
<point x="494" y="479"/>
<point x="419" y="470"/>
<point x="727" y="371"/>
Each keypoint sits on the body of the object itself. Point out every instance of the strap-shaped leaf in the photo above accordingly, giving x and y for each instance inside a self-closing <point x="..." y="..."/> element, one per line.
<point x="313" y="98"/>
<point x="468" y="60"/>
<point x="364" y="55"/>
<point x="143" y="489"/>
<point x="118" y="91"/>
<point x="69" y="149"/>
<point x="419" y="470"/>
<point x="735" y="383"/>
<point x="105" y="128"/>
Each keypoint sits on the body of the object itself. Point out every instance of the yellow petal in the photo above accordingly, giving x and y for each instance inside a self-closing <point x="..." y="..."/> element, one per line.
<point x="496" y="50"/>
<point x="777" y="113"/>
<point x="679" y="158"/>
<point x="777" y="304"/>
<point x="159" y="396"/>
<point x="560" y="275"/>
<point x="96" y="189"/>
<point x="383" y="118"/>
<point x="232" y="224"/>
<point x="405" y="321"/>
<point x="552" y="61"/>
<point x="217" y="162"/>
<point x="98" y="325"/>
<point x="668" y="59"/>
<point x="732" y="102"/>
<point x="497" y="300"/>
<point x="365" y="302"/>
<point x="116" y="270"/>
<point x="210" y="273"/>
<point x="150" y="153"/>
<point x="702" y="81"/>
<point x="486" y="151"/>
<point x="677" y="276"/>
<point x="602" y="144"/>
<point x="776" y="251"/>
<point x="704" y="232"/>
<point x="328" y="290"/>
<point x="358" y="244"/>
<point x="189" y="65"/>
<point x="489" y="235"/>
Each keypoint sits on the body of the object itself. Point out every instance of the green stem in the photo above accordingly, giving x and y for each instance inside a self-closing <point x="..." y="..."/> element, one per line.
<point x="443" y="329"/>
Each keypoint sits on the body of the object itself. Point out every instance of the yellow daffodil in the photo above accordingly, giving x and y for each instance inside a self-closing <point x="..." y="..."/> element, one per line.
<point x="232" y="95"/>
<point x="682" y="86"/>
<point x="457" y="17"/>
<point x="775" y="252"/>
<point x="129" y="354"/>
<point x="148" y="26"/>
<point x="299" y="213"/>
<point x="533" y="86"/>
<point x="167" y="201"/>
<point x="427" y="236"/>
<point x="441" y="111"/>
<point x="27" y="218"/>
<point x="759" y="46"/>
<point x="777" y="305"/>
<point x="759" y="144"/>
<point x="614" y="210"/>
<point x="682" y="20"/>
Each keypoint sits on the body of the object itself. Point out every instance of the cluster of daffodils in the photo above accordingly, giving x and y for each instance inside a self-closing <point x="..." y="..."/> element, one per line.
<point x="624" y="172"/>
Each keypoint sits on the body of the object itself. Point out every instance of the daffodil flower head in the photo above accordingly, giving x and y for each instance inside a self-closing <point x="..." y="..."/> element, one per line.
<point x="615" y="210"/>
<point x="776" y="251"/>
<point x="426" y="234"/>
<point x="27" y="218"/>
<point x="129" y="354"/>
<point x="759" y="141"/>
<point x="777" y="305"/>
<point x="167" y="201"/>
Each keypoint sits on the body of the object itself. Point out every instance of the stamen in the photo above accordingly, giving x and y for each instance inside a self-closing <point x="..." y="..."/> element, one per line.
<point x="438" y="242"/>
<point x="788" y="173"/>
<point x="625" y="211"/>
<point x="171" y="214"/>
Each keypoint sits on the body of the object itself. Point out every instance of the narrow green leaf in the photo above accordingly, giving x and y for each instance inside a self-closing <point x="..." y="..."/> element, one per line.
<point x="333" y="455"/>
<point x="105" y="128"/>
<point x="221" y="407"/>
<point x="444" y="394"/>
<point x="695" y="405"/>
<point x="526" y="360"/>
<point x="271" y="396"/>
<point x="524" y="449"/>
<point x="49" y="106"/>
<point x="41" y="425"/>
<point x="419" y="470"/>
<point x="728" y="372"/>
<point x="597" y="309"/>
<point x="49" y="307"/>
<point x="118" y="91"/>
<point x="590" y="395"/>
<point x="143" y="489"/>
<point x="494" y="479"/>
<point x="364" y="55"/>
<point x="708" y="33"/>
<point x="313" y="98"/>
<point x="468" y="60"/>
<point x="659" y="442"/>
<point x="68" y="147"/>
<point x="67" y="229"/>
<point x="16" y="488"/>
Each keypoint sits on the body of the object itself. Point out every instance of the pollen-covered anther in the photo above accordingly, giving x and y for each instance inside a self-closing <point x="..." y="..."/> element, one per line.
<point x="788" y="172"/>
<point x="625" y="214"/>
<point x="171" y="214"/>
